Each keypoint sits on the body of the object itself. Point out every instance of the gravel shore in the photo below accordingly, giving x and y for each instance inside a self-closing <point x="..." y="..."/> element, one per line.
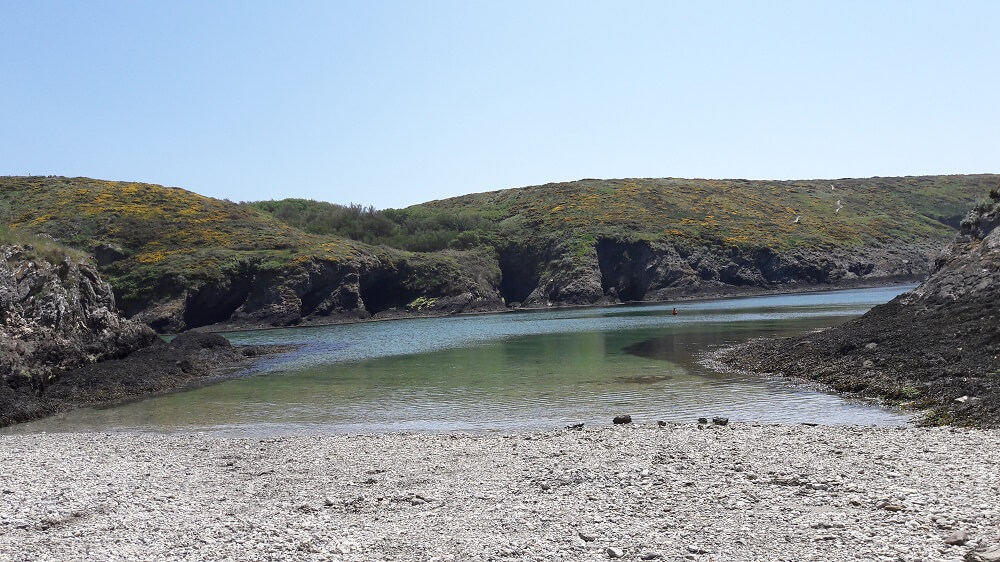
<point x="736" y="492"/>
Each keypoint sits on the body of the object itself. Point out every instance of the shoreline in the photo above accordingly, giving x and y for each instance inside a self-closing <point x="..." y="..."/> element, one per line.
<point x="106" y="384"/>
<point x="739" y="492"/>
<point x="733" y="292"/>
<point x="187" y="361"/>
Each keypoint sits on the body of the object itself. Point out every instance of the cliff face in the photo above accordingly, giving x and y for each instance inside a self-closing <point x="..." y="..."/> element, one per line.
<point x="55" y="316"/>
<point x="318" y="290"/>
<point x="179" y="261"/>
<point x="937" y="347"/>
<point x="613" y="270"/>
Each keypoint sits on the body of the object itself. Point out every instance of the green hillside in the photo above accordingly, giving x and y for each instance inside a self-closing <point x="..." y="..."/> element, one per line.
<point x="725" y="212"/>
<point x="158" y="242"/>
<point x="181" y="260"/>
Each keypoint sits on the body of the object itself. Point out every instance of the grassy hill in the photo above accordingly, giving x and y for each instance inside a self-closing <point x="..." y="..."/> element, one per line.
<point x="728" y="212"/>
<point x="160" y="243"/>
<point x="185" y="260"/>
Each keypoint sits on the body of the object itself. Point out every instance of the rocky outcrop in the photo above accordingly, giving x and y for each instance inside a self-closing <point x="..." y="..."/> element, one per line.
<point x="56" y="316"/>
<point x="936" y="347"/>
<point x="391" y="283"/>
<point x="316" y="291"/>
<point x="190" y="358"/>
<point x="611" y="271"/>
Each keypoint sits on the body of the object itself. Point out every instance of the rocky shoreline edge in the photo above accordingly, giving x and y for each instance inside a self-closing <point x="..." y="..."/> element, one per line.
<point x="629" y="492"/>
<point x="188" y="360"/>
<point x="703" y="294"/>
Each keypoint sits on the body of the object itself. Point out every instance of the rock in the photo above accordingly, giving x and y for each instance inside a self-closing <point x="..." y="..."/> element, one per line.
<point x="936" y="343"/>
<point x="651" y="556"/>
<point x="991" y="554"/>
<point x="614" y="552"/>
<point x="589" y="537"/>
<point x="703" y="421"/>
<point x="575" y="426"/>
<point x="957" y="538"/>
<point x="199" y="340"/>
<point x="894" y="507"/>
<point x="719" y="420"/>
<point x="54" y="316"/>
<point x="661" y="423"/>
<point x="108" y="254"/>
<point x="623" y="419"/>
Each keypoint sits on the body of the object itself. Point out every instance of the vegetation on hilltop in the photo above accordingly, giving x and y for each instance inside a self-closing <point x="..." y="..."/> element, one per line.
<point x="740" y="213"/>
<point x="186" y="260"/>
<point x="418" y="228"/>
<point x="40" y="246"/>
<point x="154" y="243"/>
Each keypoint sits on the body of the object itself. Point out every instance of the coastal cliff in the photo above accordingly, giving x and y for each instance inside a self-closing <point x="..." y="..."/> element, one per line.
<point x="180" y="261"/>
<point x="64" y="344"/>
<point x="56" y="314"/>
<point x="934" y="348"/>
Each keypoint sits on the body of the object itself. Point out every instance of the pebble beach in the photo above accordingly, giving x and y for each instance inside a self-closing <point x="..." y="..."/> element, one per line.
<point x="631" y="492"/>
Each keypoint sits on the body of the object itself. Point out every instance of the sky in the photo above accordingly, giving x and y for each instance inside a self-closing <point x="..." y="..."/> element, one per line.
<point x="394" y="103"/>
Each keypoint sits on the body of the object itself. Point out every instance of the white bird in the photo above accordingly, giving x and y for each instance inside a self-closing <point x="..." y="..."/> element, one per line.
<point x="832" y="188"/>
<point x="796" y="221"/>
<point x="839" y="207"/>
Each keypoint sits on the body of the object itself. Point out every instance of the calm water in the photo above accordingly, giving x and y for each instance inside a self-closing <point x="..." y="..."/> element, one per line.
<point x="508" y="371"/>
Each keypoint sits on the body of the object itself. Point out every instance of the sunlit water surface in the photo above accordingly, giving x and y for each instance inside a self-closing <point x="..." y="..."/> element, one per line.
<point x="512" y="371"/>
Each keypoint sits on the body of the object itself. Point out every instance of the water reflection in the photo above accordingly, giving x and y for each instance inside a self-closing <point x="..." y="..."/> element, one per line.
<point x="509" y="371"/>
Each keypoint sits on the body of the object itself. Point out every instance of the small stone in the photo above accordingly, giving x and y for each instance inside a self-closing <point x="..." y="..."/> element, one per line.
<point x="622" y="419"/>
<point x="871" y="345"/>
<point x="586" y="536"/>
<point x="957" y="538"/>
<point x="962" y="399"/>
<point x="991" y="554"/>
<point x="894" y="507"/>
<point x="661" y="423"/>
<point x="575" y="426"/>
<point x="651" y="556"/>
<point x="703" y="421"/>
<point x="719" y="420"/>
<point x="614" y="552"/>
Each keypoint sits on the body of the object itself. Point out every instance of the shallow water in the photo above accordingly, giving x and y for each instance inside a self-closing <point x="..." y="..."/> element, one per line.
<point x="522" y="370"/>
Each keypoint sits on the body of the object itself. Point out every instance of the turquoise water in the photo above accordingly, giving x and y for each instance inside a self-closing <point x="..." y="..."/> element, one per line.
<point x="523" y="370"/>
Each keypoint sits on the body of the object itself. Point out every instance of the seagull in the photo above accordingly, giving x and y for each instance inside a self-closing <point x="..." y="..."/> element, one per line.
<point x="839" y="207"/>
<point x="832" y="188"/>
<point x="796" y="221"/>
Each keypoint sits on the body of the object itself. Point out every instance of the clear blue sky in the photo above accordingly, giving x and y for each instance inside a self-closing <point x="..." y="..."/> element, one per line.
<point x="394" y="103"/>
